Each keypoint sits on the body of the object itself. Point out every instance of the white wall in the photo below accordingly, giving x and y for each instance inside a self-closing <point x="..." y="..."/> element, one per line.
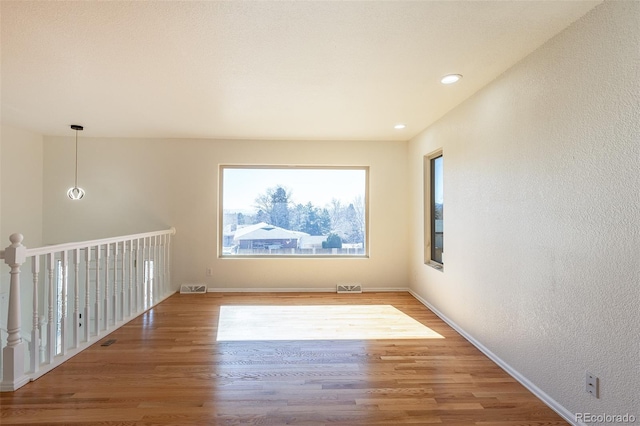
<point x="21" y="158"/>
<point x="542" y="194"/>
<point x="138" y="185"/>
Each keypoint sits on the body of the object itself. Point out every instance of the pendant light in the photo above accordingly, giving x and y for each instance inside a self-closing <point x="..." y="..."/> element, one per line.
<point x="76" y="193"/>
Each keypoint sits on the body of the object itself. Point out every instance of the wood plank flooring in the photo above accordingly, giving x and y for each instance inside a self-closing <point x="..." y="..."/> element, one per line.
<point x="167" y="367"/>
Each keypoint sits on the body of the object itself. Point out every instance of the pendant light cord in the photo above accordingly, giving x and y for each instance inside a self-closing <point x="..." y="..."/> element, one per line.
<point x="76" y="184"/>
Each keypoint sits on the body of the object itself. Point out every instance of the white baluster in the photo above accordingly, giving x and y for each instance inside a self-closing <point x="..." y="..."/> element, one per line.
<point x="98" y="301"/>
<point x="130" y="305"/>
<point x="122" y="279"/>
<point x="116" y="293"/>
<point x="136" y="272"/>
<point x="51" y="325"/>
<point x="42" y="322"/>
<point x="106" y="287"/>
<point x="87" y="297"/>
<point x="158" y="267"/>
<point x="150" y="272"/>
<point x="63" y="319"/>
<point x="156" y="289"/>
<point x="145" y="275"/>
<point x="135" y="253"/>
<point x="150" y="289"/>
<point x="35" y="331"/>
<point x="140" y="272"/>
<point x="161" y="282"/>
<point x="13" y="354"/>
<point x="169" y="261"/>
<point x="137" y="276"/>
<point x="76" y="298"/>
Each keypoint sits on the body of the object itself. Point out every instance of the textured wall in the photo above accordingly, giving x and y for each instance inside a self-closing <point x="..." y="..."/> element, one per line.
<point x="22" y="159"/>
<point x="542" y="194"/>
<point x="137" y="185"/>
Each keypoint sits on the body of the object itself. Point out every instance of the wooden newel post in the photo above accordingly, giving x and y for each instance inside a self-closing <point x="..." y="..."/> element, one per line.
<point x="13" y="354"/>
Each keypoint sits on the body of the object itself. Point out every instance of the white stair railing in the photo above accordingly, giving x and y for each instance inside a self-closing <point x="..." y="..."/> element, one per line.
<point x="78" y="293"/>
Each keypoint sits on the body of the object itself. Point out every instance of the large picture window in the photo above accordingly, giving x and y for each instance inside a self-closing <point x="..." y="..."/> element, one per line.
<point x="293" y="211"/>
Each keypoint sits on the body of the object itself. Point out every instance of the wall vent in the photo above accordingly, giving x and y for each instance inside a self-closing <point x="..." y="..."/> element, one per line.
<point x="349" y="288"/>
<point x="193" y="288"/>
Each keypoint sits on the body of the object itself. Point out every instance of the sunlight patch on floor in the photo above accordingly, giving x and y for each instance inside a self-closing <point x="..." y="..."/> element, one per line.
<point x="319" y="322"/>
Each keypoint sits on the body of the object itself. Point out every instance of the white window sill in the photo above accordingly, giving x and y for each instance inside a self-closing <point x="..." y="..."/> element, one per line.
<point x="435" y="265"/>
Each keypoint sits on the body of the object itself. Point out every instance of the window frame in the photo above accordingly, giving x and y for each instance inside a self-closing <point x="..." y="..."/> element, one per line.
<point x="220" y="239"/>
<point x="430" y="257"/>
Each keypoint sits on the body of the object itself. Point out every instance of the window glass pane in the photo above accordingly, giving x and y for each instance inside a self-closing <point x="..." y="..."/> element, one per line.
<point x="437" y="212"/>
<point x="293" y="211"/>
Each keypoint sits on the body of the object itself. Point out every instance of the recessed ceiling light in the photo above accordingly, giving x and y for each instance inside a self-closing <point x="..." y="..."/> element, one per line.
<point x="399" y="126"/>
<point x="450" y="78"/>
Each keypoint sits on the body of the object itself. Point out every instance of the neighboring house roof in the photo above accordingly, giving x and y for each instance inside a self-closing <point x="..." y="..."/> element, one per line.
<point x="245" y="229"/>
<point x="264" y="231"/>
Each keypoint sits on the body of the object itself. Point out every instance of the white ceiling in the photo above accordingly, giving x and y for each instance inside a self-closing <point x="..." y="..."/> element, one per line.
<point x="266" y="70"/>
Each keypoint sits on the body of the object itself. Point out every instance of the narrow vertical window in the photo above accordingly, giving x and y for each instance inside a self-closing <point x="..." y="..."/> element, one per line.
<point x="437" y="212"/>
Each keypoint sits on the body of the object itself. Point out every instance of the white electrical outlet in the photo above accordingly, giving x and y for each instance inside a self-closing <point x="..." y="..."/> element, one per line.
<point x="593" y="384"/>
<point x="209" y="272"/>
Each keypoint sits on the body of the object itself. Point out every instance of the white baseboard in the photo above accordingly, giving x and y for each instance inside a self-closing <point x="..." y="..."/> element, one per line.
<point x="269" y="290"/>
<point x="298" y="290"/>
<point x="386" y="289"/>
<point x="543" y="396"/>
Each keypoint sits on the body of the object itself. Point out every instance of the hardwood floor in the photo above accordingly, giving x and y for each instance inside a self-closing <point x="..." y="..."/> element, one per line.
<point x="167" y="367"/>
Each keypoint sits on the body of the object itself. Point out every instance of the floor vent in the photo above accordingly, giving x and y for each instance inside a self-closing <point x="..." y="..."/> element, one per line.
<point x="193" y="288"/>
<point x="349" y="288"/>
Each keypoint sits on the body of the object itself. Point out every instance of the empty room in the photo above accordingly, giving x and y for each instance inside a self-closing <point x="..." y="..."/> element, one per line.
<point x="320" y="212"/>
